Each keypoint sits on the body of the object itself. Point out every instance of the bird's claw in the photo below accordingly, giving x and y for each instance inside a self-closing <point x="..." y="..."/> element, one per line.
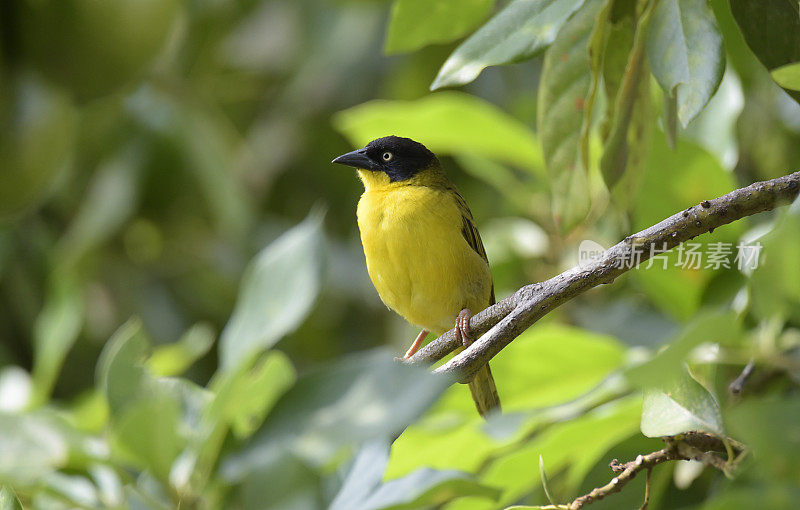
<point x="462" y="327"/>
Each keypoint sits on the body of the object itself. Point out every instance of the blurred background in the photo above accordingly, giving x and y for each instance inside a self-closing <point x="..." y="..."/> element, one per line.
<point x="149" y="149"/>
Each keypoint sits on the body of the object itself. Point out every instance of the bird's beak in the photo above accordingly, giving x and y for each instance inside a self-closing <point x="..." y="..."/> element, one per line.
<point x="357" y="159"/>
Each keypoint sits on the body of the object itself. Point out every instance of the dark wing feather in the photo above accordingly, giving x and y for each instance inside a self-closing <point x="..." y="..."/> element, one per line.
<point x="470" y="231"/>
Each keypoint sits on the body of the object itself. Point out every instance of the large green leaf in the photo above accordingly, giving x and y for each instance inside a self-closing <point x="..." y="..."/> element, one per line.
<point x="424" y="488"/>
<point x="522" y="30"/>
<point x="417" y="23"/>
<point x="562" y="94"/>
<point x="364" y="475"/>
<point x="352" y="401"/>
<point x="447" y="123"/>
<point x="528" y="375"/>
<point x="282" y="482"/>
<point x="574" y="445"/>
<point x="240" y="402"/>
<point x="772" y="30"/>
<point x="686" y="53"/>
<point x="682" y="407"/>
<point x="363" y="490"/>
<point x="277" y="292"/>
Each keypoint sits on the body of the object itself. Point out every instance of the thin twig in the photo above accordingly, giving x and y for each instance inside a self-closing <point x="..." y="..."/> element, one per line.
<point x="501" y="323"/>
<point x="690" y="446"/>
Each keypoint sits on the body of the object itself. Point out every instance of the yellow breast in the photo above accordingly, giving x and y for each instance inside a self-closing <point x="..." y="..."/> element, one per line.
<point x="417" y="257"/>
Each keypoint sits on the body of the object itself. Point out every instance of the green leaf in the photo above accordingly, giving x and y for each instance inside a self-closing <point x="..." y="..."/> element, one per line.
<point x="56" y="328"/>
<point x="597" y="55"/>
<point x="359" y="398"/>
<point x="771" y="427"/>
<point x="627" y="123"/>
<point x="176" y="358"/>
<point x="775" y="283"/>
<point x="528" y="373"/>
<point x="447" y="123"/>
<point x="363" y="477"/>
<point x="277" y="292"/>
<point x="563" y="89"/>
<point x="418" y="23"/>
<point x="425" y="488"/>
<point x="666" y="367"/>
<point x="574" y="445"/>
<point x="8" y="500"/>
<point x="771" y="29"/>
<point x="787" y="76"/>
<point x="362" y="488"/>
<point x="31" y="447"/>
<point x="522" y="30"/>
<point x="246" y="395"/>
<point x="282" y="482"/>
<point x="146" y="434"/>
<point x="254" y="395"/>
<point x="714" y="128"/>
<point x="527" y="370"/>
<point x="686" y="53"/>
<point x="684" y="407"/>
<point x="120" y="369"/>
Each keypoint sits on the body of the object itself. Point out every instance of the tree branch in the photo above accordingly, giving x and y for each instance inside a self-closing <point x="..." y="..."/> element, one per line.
<point x="690" y="446"/>
<point x="499" y="324"/>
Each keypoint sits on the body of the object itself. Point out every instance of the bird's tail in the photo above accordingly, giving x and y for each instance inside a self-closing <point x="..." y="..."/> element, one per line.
<point x="484" y="391"/>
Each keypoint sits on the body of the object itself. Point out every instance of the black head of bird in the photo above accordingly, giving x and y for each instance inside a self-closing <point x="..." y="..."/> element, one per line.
<point x="399" y="158"/>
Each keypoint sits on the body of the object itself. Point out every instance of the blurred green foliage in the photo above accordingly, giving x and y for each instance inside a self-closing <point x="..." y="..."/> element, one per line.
<point x="185" y="316"/>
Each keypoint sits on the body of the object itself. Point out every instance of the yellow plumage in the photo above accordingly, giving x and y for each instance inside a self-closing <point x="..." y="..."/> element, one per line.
<point x="417" y="257"/>
<point x="424" y="254"/>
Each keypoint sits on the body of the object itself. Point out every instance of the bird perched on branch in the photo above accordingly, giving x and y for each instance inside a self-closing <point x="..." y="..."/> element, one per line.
<point x="424" y="254"/>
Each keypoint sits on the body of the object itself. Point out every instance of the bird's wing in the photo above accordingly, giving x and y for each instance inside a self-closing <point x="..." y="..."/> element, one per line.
<point x="470" y="231"/>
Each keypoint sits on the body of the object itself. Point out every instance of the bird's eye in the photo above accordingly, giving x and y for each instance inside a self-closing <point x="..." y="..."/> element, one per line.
<point x="387" y="156"/>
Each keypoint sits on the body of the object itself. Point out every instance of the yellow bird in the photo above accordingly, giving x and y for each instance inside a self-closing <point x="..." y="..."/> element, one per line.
<point x="424" y="254"/>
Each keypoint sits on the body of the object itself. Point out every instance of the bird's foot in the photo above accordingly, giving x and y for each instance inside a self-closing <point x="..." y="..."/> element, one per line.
<point x="463" y="332"/>
<point x="415" y="346"/>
